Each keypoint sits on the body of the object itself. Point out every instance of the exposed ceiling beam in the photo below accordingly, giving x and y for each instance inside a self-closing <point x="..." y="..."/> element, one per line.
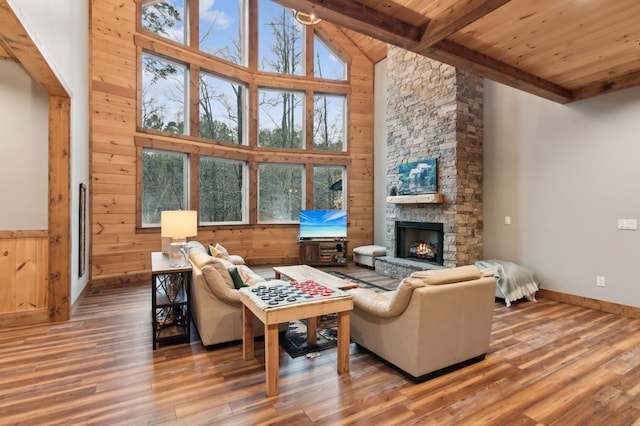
<point x="20" y="44"/>
<point x="5" y="52"/>
<point x="361" y="18"/>
<point x="455" y="18"/>
<point x="469" y="60"/>
<point x="619" y="83"/>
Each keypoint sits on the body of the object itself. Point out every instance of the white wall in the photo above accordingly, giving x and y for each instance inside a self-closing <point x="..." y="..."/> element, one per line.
<point x="380" y="155"/>
<point x="24" y="161"/>
<point x="60" y="29"/>
<point x="564" y="174"/>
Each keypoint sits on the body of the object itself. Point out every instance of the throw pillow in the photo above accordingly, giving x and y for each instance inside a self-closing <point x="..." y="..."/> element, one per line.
<point x="218" y="251"/>
<point x="235" y="276"/>
<point x="247" y="275"/>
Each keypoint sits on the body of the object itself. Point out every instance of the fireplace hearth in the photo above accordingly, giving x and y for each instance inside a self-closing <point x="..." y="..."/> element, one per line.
<point x="420" y="241"/>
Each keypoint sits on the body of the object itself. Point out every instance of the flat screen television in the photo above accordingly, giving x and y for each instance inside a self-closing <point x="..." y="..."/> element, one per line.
<point x="323" y="224"/>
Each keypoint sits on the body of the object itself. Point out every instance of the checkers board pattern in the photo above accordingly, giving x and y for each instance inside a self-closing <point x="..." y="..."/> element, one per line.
<point x="283" y="293"/>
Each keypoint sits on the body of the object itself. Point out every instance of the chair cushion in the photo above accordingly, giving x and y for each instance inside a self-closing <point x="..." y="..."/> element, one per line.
<point x="387" y="304"/>
<point x="219" y="287"/>
<point x="371" y="250"/>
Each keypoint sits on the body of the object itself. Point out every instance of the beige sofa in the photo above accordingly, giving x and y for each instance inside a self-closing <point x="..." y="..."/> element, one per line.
<point x="435" y="321"/>
<point x="214" y="301"/>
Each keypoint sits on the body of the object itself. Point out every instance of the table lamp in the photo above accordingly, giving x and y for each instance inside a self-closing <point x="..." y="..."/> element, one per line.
<point x="178" y="225"/>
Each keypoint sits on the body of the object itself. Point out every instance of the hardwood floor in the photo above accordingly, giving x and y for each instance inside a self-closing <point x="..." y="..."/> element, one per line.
<point x="549" y="364"/>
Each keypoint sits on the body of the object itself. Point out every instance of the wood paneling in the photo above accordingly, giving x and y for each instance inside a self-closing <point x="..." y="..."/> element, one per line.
<point x="24" y="262"/>
<point x="120" y="249"/>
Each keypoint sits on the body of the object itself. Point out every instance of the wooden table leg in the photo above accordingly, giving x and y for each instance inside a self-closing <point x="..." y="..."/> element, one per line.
<point x="247" y="333"/>
<point x="272" y="359"/>
<point x="276" y="274"/>
<point x="312" y="330"/>
<point x="344" y="334"/>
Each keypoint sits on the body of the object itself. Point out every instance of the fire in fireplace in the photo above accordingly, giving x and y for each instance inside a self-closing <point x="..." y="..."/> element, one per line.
<point x="422" y="241"/>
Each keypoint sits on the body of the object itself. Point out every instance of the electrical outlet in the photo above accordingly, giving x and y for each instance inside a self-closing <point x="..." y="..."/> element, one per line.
<point x="507" y="220"/>
<point x="600" y="281"/>
<point x="628" y="224"/>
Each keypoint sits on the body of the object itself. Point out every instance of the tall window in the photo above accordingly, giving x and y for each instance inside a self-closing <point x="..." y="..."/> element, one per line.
<point x="261" y="113"/>
<point x="163" y="94"/>
<point x="280" y="40"/>
<point x="222" y="108"/>
<point x="164" y="184"/>
<point x="280" y="192"/>
<point x="166" y="18"/>
<point x="222" y="191"/>
<point x="329" y="122"/>
<point x="328" y="187"/>
<point x="280" y="119"/>
<point x="326" y="62"/>
<point x="221" y="25"/>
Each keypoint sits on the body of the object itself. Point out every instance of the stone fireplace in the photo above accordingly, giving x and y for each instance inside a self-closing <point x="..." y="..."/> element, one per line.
<point x="420" y="241"/>
<point x="434" y="111"/>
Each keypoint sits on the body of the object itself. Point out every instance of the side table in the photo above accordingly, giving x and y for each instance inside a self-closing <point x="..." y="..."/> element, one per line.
<point x="169" y="301"/>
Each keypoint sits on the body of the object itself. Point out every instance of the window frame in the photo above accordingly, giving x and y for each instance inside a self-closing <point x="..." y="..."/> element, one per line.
<point x="185" y="94"/>
<point x="243" y="127"/>
<point x="303" y="186"/>
<point x="343" y="196"/>
<point x="186" y="182"/>
<point x="245" y="192"/>
<point x="189" y="142"/>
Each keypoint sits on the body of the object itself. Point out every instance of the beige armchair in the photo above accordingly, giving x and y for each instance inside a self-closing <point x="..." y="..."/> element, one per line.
<point x="435" y="321"/>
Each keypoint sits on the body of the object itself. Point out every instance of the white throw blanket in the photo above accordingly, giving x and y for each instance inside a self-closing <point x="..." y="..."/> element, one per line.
<point x="514" y="281"/>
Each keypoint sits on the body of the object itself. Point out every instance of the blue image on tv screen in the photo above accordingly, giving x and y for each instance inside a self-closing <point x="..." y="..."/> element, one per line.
<point x="323" y="223"/>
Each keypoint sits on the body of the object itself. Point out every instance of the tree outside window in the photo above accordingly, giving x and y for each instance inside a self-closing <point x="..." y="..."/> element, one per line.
<point x="329" y="122"/>
<point x="280" y="119"/>
<point x="164" y="184"/>
<point x="280" y="40"/>
<point x="166" y="18"/>
<point x="163" y="94"/>
<point x="328" y="187"/>
<point x="222" y="106"/>
<point x="280" y="192"/>
<point x="221" y="26"/>
<point x="327" y="63"/>
<point x="222" y="191"/>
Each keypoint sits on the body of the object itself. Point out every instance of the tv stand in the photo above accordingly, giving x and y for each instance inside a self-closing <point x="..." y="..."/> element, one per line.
<point x="323" y="252"/>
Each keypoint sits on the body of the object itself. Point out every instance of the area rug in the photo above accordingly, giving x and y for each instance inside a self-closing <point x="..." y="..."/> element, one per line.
<point x="295" y="343"/>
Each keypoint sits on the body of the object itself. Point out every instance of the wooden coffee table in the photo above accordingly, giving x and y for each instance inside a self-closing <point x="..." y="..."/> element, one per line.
<point x="305" y="272"/>
<point x="338" y="302"/>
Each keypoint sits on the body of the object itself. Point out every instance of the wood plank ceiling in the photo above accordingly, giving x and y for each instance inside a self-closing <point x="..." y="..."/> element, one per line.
<point x="563" y="50"/>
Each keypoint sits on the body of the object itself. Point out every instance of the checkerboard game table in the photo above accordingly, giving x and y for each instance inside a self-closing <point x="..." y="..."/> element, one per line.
<point x="305" y="272"/>
<point x="275" y="302"/>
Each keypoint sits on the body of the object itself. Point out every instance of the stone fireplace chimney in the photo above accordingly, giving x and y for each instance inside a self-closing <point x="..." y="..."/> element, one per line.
<point x="435" y="111"/>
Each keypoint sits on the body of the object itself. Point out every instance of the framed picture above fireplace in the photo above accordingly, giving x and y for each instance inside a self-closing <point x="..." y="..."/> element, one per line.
<point x="418" y="177"/>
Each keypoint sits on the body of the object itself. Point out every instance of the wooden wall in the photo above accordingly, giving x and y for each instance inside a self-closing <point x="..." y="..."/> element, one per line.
<point x="119" y="250"/>
<point x="24" y="262"/>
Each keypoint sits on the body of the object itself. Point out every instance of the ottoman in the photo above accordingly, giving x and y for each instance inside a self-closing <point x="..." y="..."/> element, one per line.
<point x="366" y="255"/>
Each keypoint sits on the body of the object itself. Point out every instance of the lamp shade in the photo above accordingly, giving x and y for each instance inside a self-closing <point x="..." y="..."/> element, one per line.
<point x="179" y="223"/>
